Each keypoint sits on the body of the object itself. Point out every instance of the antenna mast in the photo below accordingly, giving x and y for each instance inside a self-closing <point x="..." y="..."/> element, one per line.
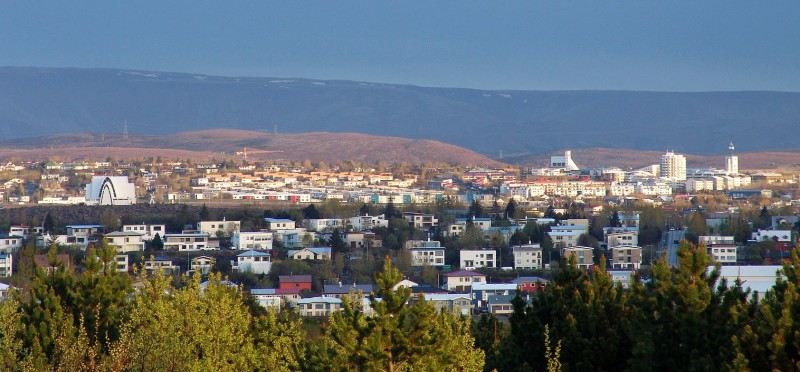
<point x="125" y="130"/>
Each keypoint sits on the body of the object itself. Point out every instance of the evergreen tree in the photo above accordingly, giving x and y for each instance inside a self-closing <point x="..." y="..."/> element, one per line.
<point x="475" y="210"/>
<point x="310" y="212"/>
<point x="49" y="224"/>
<point x="337" y="242"/>
<point x="157" y="244"/>
<point x="511" y="209"/>
<point x="398" y="336"/>
<point x="204" y="213"/>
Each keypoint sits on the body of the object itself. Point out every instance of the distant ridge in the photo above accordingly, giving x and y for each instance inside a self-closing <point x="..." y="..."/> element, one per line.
<point x="42" y="101"/>
<point x="220" y="144"/>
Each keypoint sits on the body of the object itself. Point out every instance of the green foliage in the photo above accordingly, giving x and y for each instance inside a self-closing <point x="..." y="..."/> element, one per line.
<point x="397" y="336"/>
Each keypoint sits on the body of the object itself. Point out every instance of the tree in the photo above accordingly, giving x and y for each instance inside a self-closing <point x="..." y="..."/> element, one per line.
<point x="110" y="220"/>
<point x="310" y="212"/>
<point x="157" y="244"/>
<point x="475" y="210"/>
<point x="49" y="223"/>
<point x="204" y="213"/>
<point x="697" y="227"/>
<point x="390" y="211"/>
<point x="337" y="242"/>
<point x="398" y="336"/>
<point x="511" y="209"/>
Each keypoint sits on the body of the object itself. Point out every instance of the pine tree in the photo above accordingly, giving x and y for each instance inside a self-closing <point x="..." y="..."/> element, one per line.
<point x="398" y="336"/>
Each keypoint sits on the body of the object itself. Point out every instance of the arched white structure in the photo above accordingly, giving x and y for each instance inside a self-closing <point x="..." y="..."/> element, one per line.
<point x="110" y="190"/>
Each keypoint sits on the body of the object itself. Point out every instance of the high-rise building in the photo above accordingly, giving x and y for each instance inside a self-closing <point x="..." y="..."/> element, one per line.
<point x="731" y="161"/>
<point x="673" y="166"/>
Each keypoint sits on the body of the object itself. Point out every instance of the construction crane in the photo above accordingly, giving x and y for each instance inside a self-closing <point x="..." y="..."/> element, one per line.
<point x="244" y="152"/>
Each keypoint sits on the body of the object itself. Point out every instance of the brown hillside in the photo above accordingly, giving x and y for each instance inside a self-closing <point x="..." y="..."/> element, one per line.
<point x="222" y="143"/>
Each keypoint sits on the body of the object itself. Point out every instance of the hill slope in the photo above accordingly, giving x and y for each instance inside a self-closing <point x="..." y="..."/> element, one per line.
<point x="221" y="143"/>
<point x="40" y="101"/>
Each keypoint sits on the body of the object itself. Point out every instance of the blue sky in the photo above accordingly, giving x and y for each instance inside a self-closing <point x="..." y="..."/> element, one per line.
<point x="552" y="45"/>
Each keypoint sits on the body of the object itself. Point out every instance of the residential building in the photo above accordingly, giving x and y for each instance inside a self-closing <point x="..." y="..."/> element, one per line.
<point x="254" y="262"/>
<point x="125" y="241"/>
<point x="471" y="259"/>
<point x="294" y="238"/>
<point x="421" y="220"/>
<point x="721" y="249"/>
<point x="481" y="292"/>
<point x="121" y="263"/>
<point x="148" y="231"/>
<point x="6" y="264"/>
<point x="84" y="230"/>
<point x="367" y="222"/>
<point x="757" y="279"/>
<point x="318" y="306"/>
<point x="358" y="291"/>
<point x="275" y="298"/>
<point x="215" y="228"/>
<point x="313" y="253"/>
<point x="324" y="224"/>
<point x="782" y="238"/>
<point x="530" y="284"/>
<point x="202" y="264"/>
<point x="10" y="243"/>
<point x="527" y="257"/>
<point x="190" y="241"/>
<point x="160" y="263"/>
<point x="500" y="304"/>
<point x="21" y="231"/>
<point x="584" y="256"/>
<point x="564" y="239"/>
<point x="462" y="280"/>
<point x="280" y="224"/>
<point x="456" y="303"/>
<point x="673" y="166"/>
<point x="626" y="257"/>
<point x="259" y="240"/>
<point x="619" y="238"/>
<point x="427" y="253"/>
<point x="299" y="282"/>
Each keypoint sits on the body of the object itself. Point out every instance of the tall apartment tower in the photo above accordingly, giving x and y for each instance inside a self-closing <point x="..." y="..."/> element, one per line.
<point x="731" y="161"/>
<point x="673" y="166"/>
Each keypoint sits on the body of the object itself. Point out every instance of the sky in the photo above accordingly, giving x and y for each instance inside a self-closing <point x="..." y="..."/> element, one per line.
<point x="528" y="45"/>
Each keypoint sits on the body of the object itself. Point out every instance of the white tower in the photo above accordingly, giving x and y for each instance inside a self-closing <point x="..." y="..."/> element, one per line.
<point x="731" y="161"/>
<point x="673" y="166"/>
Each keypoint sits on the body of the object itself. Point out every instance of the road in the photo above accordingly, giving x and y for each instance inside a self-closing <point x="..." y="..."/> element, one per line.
<point x="670" y="240"/>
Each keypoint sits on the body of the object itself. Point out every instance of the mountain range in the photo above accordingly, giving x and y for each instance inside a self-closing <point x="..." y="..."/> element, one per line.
<point x="44" y="101"/>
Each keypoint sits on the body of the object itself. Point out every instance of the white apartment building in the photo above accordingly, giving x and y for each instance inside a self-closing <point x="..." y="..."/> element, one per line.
<point x="125" y="241"/>
<point x="620" y="238"/>
<point x="721" y="249"/>
<point x="260" y="240"/>
<point x="367" y="222"/>
<point x="527" y="257"/>
<point x="186" y="242"/>
<point x="252" y="261"/>
<point x="564" y="239"/>
<point x="324" y="224"/>
<point x="6" y="263"/>
<point x="10" y="243"/>
<point x="673" y="166"/>
<point x="274" y="224"/>
<point x="212" y="227"/>
<point x="471" y="259"/>
<point x="427" y="256"/>
<point x="148" y="231"/>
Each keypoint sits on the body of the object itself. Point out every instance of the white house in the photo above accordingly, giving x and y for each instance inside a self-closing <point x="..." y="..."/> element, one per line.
<point x="471" y="259"/>
<point x="260" y="240"/>
<point x="481" y="292"/>
<point x="110" y="190"/>
<point x="462" y="280"/>
<point x="721" y="249"/>
<point x="313" y="253"/>
<point x="324" y="224"/>
<point x="253" y="261"/>
<point x="186" y="242"/>
<point x="527" y="256"/>
<point x="275" y="297"/>
<point x="202" y="264"/>
<point x="153" y="264"/>
<point x="318" y="306"/>
<point x="619" y="238"/>
<point x="125" y="241"/>
<point x="456" y="303"/>
<point x="280" y="224"/>
<point x="212" y="227"/>
<point x="293" y="238"/>
<point x="10" y="243"/>
<point x="6" y="263"/>
<point x="148" y="231"/>
<point x="427" y="256"/>
<point x="121" y="263"/>
<point x="367" y="222"/>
